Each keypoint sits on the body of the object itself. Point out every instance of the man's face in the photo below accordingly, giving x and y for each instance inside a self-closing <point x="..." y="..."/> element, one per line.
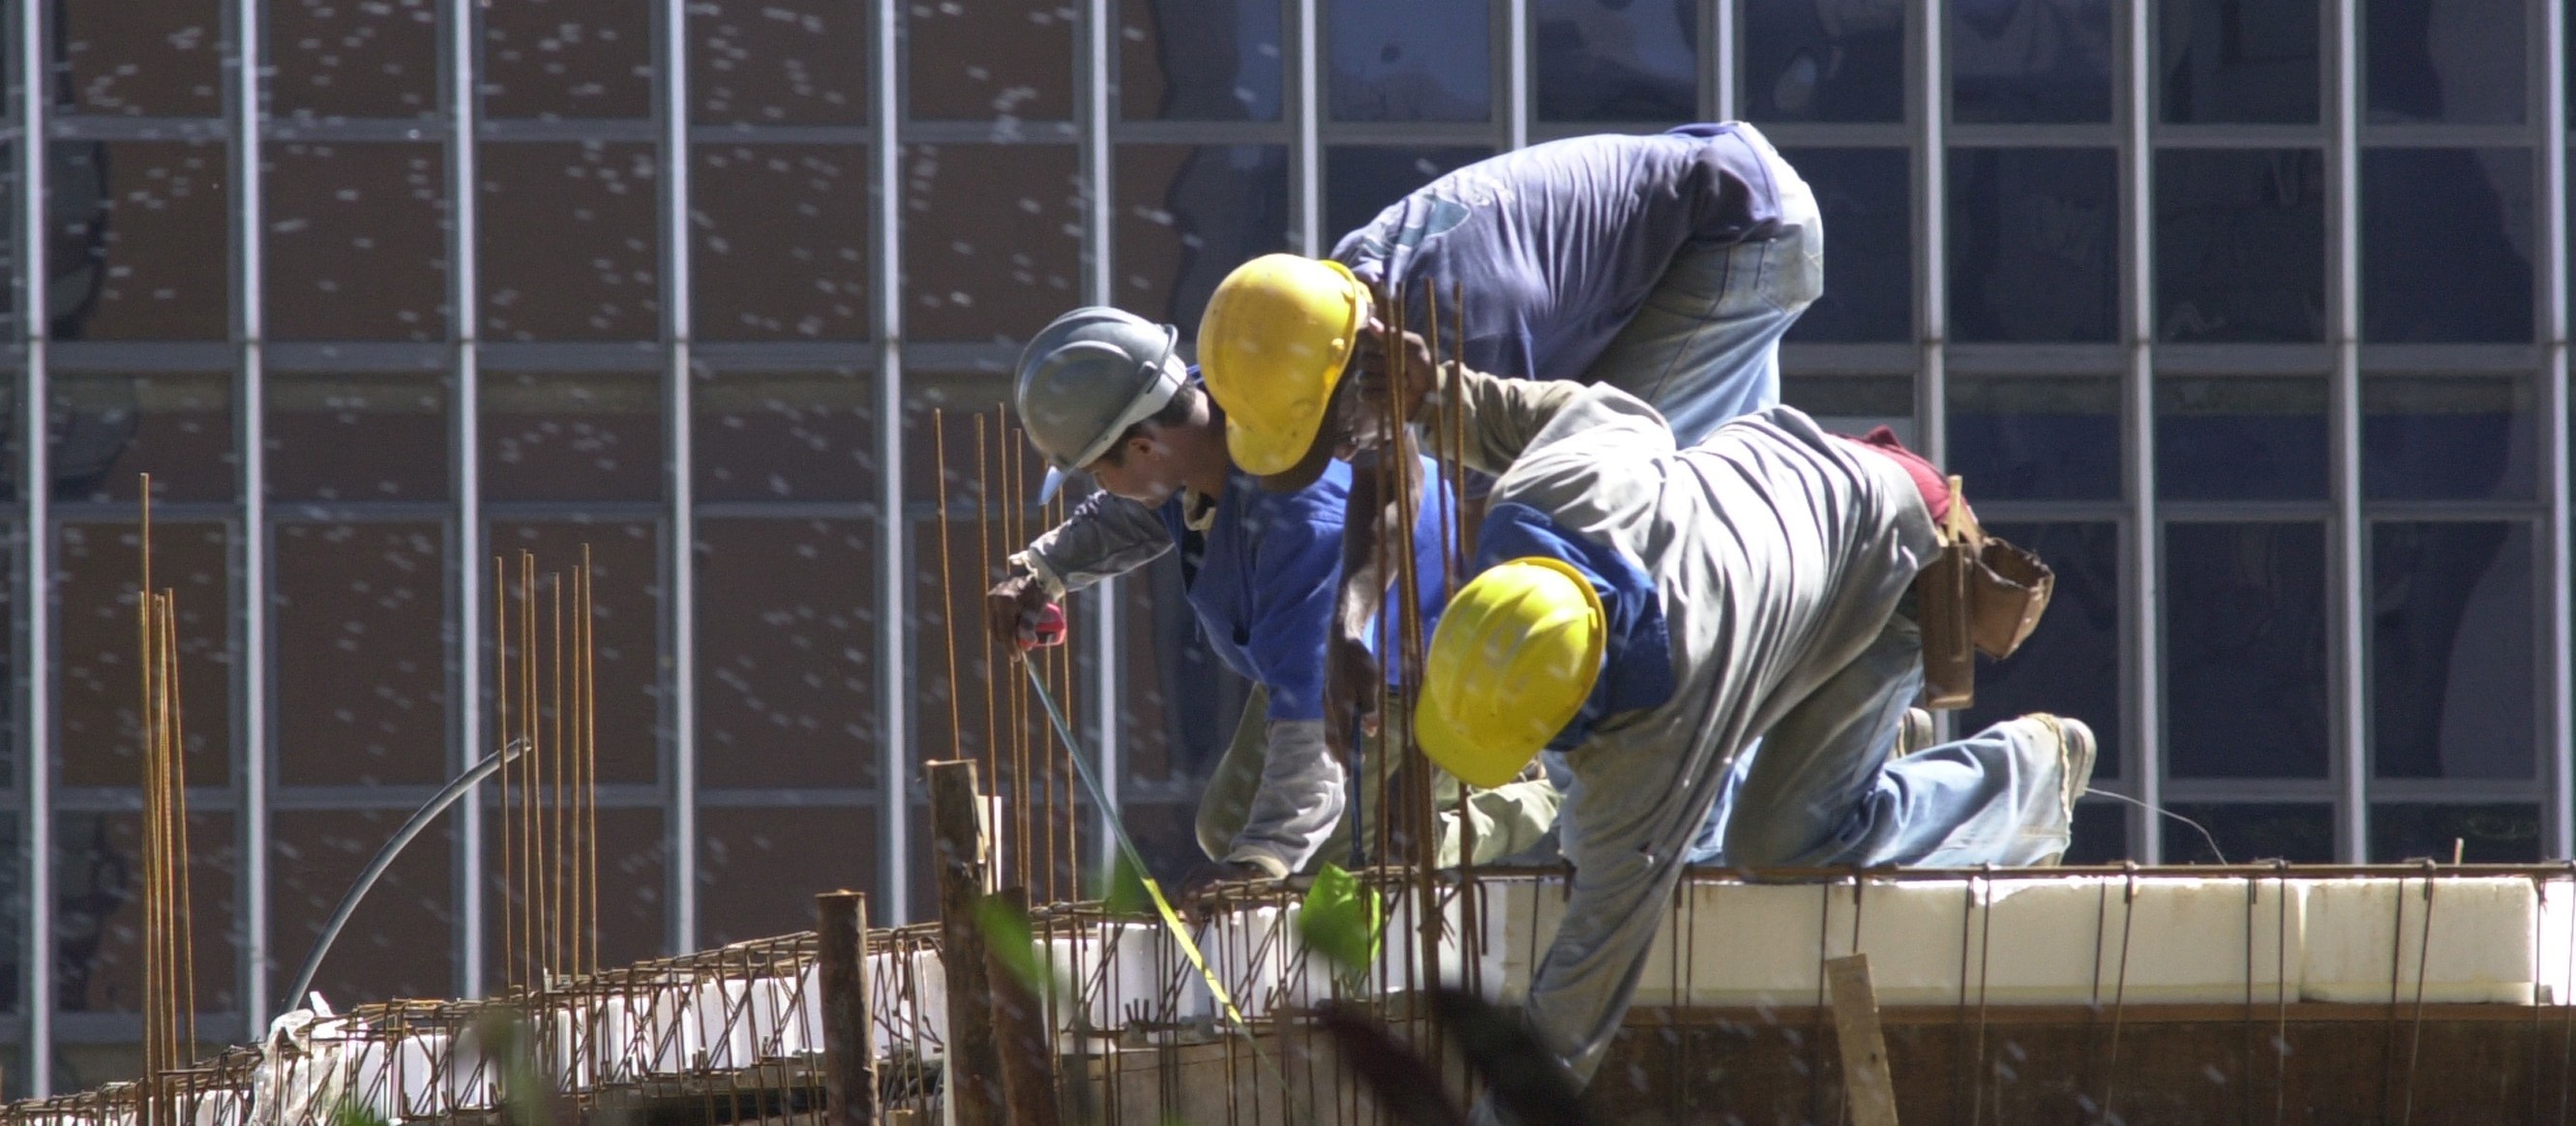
<point x="1145" y="472"/>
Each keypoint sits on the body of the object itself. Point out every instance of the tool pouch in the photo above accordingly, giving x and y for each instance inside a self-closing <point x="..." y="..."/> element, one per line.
<point x="1979" y="595"/>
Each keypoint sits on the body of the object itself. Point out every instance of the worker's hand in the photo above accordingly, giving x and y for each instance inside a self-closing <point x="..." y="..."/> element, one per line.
<point x="1351" y="677"/>
<point x="1011" y="612"/>
<point x="1379" y="384"/>
<point x="1207" y="876"/>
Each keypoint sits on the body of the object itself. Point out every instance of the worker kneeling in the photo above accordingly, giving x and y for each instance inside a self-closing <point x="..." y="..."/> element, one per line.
<point x="1650" y="611"/>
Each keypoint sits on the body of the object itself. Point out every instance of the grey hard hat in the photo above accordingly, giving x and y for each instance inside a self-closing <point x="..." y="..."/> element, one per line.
<point x="1087" y="377"/>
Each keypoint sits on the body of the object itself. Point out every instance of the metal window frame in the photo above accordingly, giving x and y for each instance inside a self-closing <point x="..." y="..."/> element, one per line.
<point x="679" y="600"/>
<point x="253" y="678"/>
<point x="894" y="767"/>
<point x="2141" y="656"/>
<point x="2557" y="578"/>
<point x="2348" y="536"/>
<point x="465" y="405"/>
<point x="34" y="671"/>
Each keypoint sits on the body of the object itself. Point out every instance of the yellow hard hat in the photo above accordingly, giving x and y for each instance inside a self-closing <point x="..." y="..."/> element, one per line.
<point x="1272" y="347"/>
<point x="1515" y="657"/>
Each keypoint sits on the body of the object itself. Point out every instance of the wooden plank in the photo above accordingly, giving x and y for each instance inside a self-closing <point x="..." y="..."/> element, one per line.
<point x="1866" y="1081"/>
<point x="957" y="847"/>
<point x="1020" y="1030"/>
<point x="849" y="1041"/>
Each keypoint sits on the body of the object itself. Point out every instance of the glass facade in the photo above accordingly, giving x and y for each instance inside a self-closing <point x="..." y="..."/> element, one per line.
<point x="2252" y="318"/>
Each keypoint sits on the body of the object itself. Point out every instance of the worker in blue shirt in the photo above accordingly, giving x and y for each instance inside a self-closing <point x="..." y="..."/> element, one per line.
<point x="1103" y="391"/>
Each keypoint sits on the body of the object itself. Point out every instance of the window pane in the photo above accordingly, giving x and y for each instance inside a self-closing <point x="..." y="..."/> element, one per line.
<point x="1805" y="61"/>
<point x="2071" y="664"/>
<point x="2100" y="833"/>
<point x="1199" y="60"/>
<point x="992" y="245"/>
<point x="975" y="60"/>
<point x="161" y="59"/>
<point x="2444" y="60"/>
<point x="357" y="438"/>
<point x="782" y="243"/>
<point x="2036" y="438"/>
<point x="626" y="617"/>
<point x="397" y="945"/>
<point x="1364" y="181"/>
<point x="2485" y="834"/>
<point x="786" y="669"/>
<point x="142" y="231"/>
<point x="2241" y="438"/>
<point x="357" y="242"/>
<point x="568" y="58"/>
<point x="2240" y="245"/>
<point x="98" y="912"/>
<point x="96" y="569"/>
<point x="1189" y="215"/>
<point x="764" y="62"/>
<point x="569" y="235"/>
<point x="1616" y="60"/>
<point x="1864" y="197"/>
<point x="2035" y="247"/>
<point x="791" y="436"/>
<point x="758" y="867"/>
<point x="362" y="688"/>
<point x="1852" y="404"/>
<point x="572" y="437"/>
<point x="2452" y="679"/>
<point x="2446" y="438"/>
<point x="2229" y="61"/>
<point x="353" y="60"/>
<point x="2245" y="833"/>
<point x="110" y="429"/>
<point x="2030" y="60"/>
<point x="1431" y="60"/>
<point x="2446" y="245"/>
<point x="2245" y="650"/>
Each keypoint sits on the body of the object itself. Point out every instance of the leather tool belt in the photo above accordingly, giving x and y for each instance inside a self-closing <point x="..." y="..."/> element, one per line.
<point x="1979" y="595"/>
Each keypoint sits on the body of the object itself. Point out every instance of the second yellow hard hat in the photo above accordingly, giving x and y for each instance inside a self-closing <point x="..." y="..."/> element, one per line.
<point x="1516" y="655"/>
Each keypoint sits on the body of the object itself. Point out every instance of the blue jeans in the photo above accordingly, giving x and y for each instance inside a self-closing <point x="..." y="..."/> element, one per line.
<point x="1820" y="789"/>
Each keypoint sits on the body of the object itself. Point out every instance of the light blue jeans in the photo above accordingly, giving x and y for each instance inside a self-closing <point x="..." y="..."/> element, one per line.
<point x="1705" y="346"/>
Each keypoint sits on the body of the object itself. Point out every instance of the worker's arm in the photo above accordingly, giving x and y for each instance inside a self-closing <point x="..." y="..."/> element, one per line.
<point x="1300" y="799"/>
<point x="1301" y="792"/>
<point x="1502" y="415"/>
<point x="1104" y="536"/>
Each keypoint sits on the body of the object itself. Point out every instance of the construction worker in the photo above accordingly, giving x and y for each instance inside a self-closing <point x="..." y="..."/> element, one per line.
<point x="1103" y="391"/>
<point x="1668" y="265"/>
<point x="1649" y="610"/>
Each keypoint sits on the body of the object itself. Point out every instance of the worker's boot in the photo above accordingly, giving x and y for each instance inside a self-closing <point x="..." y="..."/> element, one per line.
<point x="2075" y="749"/>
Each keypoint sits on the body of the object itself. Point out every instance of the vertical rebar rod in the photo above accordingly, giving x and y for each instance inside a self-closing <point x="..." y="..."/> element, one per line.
<point x="501" y="720"/>
<point x="984" y="533"/>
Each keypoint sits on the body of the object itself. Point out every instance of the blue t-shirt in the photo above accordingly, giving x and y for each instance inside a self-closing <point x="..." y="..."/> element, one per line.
<point x="1558" y="244"/>
<point x="1271" y="565"/>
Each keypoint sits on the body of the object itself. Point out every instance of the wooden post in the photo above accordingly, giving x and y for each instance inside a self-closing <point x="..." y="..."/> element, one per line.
<point x="849" y="1041"/>
<point x="957" y="843"/>
<point x="1020" y="1027"/>
<point x="1867" y="1086"/>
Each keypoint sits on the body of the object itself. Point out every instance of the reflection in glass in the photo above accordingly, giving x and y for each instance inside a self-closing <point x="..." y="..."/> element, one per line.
<point x="2241" y="438"/>
<point x="362" y="684"/>
<point x="2035" y="248"/>
<point x="2240" y="245"/>
<point x="569" y="238"/>
<point x="1187" y="216"/>
<point x="2030" y="60"/>
<point x="98" y="733"/>
<point x="158" y="59"/>
<point x="2451" y="650"/>
<point x="992" y="239"/>
<point x="2036" y="438"/>
<point x="786" y="687"/>
<point x="567" y="58"/>
<point x="1812" y="60"/>
<point x="1616" y="60"/>
<point x="2482" y="834"/>
<point x="1360" y="182"/>
<point x="777" y="62"/>
<point x="2248" y="832"/>
<point x="2458" y="61"/>
<point x="385" y="951"/>
<point x="565" y="437"/>
<point x="2071" y="664"/>
<point x="2446" y="245"/>
<point x="1430" y="60"/>
<point x="2446" y="438"/>
<point x="357" y="437"/>
<point x="98" y="911"/>
<point x="1199" y="60"/>
<point x="1868" y="212"/>
<point x="2226" y="61"/>
<point x="785" y="436"/>
<point x="337" y="60"/>
<point x="110" y="428"/>
<point x="782" y="243"/>
<point x="140" y="244"/>
<point x="356" y="242"/>
<point x="985" y="60"/>
<point x="2245" y="650"/>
